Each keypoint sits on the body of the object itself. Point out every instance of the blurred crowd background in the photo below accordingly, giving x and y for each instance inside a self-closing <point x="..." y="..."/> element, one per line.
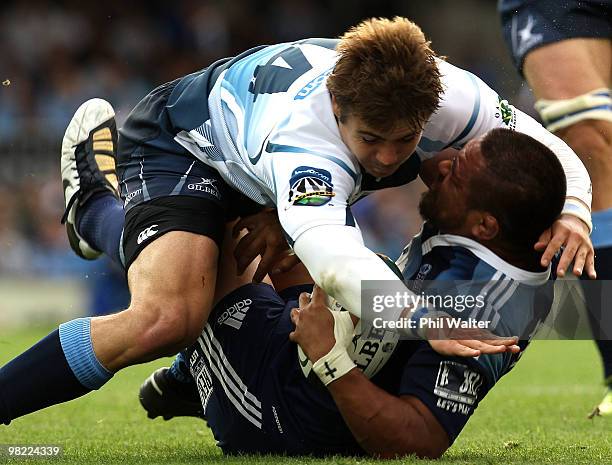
<point x="56" y="54"/>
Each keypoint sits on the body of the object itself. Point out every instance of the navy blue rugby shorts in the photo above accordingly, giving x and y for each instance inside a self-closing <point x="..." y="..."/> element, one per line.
<point x="529" y="24"/>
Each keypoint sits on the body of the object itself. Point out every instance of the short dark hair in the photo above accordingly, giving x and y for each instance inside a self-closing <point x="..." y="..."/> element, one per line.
<point x="522" y="185"/>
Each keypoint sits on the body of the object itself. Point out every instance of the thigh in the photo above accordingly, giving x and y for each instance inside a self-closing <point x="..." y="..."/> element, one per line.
<point x="569" y="68"/>
<point x="177" y="269"/>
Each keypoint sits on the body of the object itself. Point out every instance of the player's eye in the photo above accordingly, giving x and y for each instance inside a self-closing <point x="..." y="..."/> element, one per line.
<point x="369" y="139"/>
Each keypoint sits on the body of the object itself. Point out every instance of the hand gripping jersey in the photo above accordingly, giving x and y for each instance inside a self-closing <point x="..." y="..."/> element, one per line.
<point x="257" y="400"/>
<point x="272" y="135"/>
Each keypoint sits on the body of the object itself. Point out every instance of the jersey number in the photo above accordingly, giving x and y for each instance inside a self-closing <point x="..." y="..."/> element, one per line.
<point x="279" y="72"/>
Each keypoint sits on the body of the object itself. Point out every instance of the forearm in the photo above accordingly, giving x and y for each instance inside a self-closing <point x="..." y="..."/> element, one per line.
<point x="383" y="425"/>
<point x="338" y="262"/>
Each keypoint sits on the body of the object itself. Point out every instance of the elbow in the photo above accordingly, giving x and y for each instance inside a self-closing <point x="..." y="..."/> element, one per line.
<point x="340" y="280"/>
<point x="414" y="440"/>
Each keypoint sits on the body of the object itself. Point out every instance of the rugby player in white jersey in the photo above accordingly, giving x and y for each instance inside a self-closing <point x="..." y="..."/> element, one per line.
<point x="307" y="127"/>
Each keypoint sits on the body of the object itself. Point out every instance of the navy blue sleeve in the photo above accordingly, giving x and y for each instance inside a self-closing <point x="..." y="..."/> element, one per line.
<point x="451" y="387"/>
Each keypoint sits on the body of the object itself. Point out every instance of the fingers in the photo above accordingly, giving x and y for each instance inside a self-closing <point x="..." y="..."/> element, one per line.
<point x="551" y="249"/>
<point x="590" y="265"/>
<point x="464" y="351"/>
<point x="304" y="299"/>
<point x="252" y="221"/>
<point x="568" y="255"/>
<point x="318" y="295"/>
<point x="580" y="259"/>
<point x="486" y="347"/>
<point x="239" y="226"/>
<point x="543" y="240"/>
<point x="295" y="316"/>
<point x="285" y="264"/>
<point x="265" y="264"/>
<point x="452" y="348"/>
<point x="247" y="249"/>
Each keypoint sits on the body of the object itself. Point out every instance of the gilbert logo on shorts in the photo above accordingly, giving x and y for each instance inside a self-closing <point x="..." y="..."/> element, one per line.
<point x="233" y="316"/>
<point x="146" y="234"/>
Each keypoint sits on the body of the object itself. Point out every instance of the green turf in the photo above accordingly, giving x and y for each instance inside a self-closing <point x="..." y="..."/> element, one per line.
<point x="535" y="415"/>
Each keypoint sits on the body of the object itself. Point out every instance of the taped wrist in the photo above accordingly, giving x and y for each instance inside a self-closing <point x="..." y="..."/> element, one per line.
<point x="334" y="365"/>
<point x="576" y="208"/>
<point x="337" y="362"/>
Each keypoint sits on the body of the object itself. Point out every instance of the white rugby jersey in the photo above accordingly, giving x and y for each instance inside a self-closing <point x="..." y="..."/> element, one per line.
<point x="272" y="134"/>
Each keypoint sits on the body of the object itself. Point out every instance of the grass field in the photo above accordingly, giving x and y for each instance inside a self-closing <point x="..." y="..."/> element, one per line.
<point x="536" y="415"/>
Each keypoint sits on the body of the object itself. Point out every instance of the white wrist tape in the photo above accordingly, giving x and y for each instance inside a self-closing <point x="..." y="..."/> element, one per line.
<point x="579" y="210"/>
<point x="337" y="362"/>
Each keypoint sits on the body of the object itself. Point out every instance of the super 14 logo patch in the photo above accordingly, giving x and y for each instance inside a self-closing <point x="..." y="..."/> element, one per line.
<point x="310" y="186"/>
<point x="457" y="387"/>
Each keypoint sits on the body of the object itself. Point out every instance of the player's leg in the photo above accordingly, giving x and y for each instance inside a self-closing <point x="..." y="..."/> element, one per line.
<point x="171" y="391"/>
<point x="172" y="283"/>
<point x="94" y="213"/>
<point x="574" y="101"/>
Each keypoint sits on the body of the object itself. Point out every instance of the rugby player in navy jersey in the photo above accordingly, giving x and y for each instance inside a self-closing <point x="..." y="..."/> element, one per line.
<point x="307" y="127"/>
<point x="249" y="382"/>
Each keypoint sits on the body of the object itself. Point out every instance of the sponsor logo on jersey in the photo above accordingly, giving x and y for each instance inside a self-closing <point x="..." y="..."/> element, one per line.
<point x="310" y="186"/>
<point x="146" y="234"/>
<point x="233" y="316"/>
<point x="206" y="185"/>
<point x="312" y="85"/>
<point x="457" y="387"/>
<point x="131" y="195"/>
<point x="504" y="111"/>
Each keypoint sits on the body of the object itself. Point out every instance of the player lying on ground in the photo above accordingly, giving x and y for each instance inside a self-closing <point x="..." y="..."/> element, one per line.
<point x="308" y="127"/>
<point x="564" y="51"/>
<point x="250" y="385"/>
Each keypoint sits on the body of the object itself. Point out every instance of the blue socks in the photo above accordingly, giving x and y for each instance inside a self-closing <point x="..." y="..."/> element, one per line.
<point x="59" y="368"/>
<point x="100" y="222"/>
<point x="596" y="293"/>
<point x="179" y="370"/>
<point x="63" y="365"/>
<point x="75" y="339"/>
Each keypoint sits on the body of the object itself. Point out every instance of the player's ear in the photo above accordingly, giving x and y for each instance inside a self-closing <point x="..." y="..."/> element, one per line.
<point x="485" y="226"/>
<point x="335" y="107"/>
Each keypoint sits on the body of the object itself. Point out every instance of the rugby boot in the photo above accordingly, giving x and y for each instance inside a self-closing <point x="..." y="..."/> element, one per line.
<point x="604" y="409"/>
<point x="87" y="165"/>
<point x="163" y="396"/>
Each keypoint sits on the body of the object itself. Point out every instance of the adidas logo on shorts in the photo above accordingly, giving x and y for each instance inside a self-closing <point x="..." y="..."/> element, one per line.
<point x="233" y="316"/>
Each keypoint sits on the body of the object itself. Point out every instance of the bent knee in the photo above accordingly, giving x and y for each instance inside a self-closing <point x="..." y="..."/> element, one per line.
<point x="164" y="329"/>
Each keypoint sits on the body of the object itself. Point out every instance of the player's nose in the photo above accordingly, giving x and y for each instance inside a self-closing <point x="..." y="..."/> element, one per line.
<point x="388" y="155"/>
